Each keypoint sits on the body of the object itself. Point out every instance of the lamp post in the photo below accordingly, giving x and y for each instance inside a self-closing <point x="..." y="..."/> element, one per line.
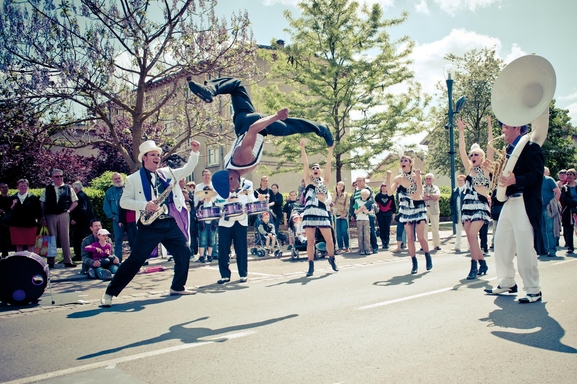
<point x="449" y="76"/>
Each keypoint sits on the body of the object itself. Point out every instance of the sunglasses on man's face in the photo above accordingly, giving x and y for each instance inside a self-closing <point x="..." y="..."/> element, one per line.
<point x="58" y="176"/>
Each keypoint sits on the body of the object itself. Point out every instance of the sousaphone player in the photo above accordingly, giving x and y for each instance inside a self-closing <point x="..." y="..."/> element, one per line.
<point x="521" y="94"/>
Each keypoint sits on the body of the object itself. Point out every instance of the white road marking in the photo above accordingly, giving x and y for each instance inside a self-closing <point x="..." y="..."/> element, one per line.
<point x="125" y="359"/>
<point x="401" y="299"/>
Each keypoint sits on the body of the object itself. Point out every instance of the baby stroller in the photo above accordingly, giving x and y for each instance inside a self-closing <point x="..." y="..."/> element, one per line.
<point x="260" y="249"/>
<point x="300" y="242"/>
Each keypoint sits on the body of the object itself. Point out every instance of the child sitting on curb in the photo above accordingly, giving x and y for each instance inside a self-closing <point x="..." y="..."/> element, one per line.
<point x="105" y="263"/>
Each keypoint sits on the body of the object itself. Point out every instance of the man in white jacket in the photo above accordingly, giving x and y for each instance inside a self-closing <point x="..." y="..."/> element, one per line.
<point x="171" y="228"/>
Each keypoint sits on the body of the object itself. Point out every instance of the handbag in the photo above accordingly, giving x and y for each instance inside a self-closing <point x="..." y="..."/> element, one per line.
<point x="41" y="244"/>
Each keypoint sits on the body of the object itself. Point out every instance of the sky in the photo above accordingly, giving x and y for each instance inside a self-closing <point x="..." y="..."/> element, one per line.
<point x="514" y="27"/>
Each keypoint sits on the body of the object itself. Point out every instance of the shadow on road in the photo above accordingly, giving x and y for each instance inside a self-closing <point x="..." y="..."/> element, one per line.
<point x="301" y="280"/>
<point x="189" y="334"/>
<point x="524" y="318"/>
<point x="400" y="280"/>
<point x="130" y="306"/>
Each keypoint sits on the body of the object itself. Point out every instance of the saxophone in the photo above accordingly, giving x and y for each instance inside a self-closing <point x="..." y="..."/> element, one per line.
<point x="498" y="164"/>
<point x="146" y="217"/>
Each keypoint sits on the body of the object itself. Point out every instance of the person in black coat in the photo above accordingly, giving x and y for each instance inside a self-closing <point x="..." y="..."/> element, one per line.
<point x="25" y="218"/>
<point x="519" y="227"/>
<point x="569" y="202"/>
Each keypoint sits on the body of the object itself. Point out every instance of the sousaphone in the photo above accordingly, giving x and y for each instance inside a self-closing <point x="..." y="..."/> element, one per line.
<point x="521" y="95"/>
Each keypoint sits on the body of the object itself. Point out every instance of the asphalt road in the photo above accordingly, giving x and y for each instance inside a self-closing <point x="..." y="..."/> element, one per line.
<point x="372" y="322"/>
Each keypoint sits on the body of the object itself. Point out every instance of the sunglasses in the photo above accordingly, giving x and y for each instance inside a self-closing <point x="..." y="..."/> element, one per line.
<point x="58" y="177"/>
<point x="315" y="168"/>
<point x="473" y="155"/>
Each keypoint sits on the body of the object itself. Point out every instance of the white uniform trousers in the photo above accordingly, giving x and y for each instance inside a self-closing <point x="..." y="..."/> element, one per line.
<point x="515" y="236"/>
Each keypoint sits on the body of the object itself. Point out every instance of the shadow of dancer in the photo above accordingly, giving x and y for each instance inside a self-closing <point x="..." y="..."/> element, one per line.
<point x="188" y="335"/>
<point x="528" y="317"/>
<point x="301" y="280"/>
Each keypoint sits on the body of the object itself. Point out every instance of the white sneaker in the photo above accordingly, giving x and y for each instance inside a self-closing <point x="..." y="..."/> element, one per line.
<point x="106" y="301"/>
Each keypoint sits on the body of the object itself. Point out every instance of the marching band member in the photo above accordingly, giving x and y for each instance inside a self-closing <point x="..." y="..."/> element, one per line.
<point x="519" y="227"/>
<point x="475" y="211"/>
<point x="142" y="189"/>
<point x="412" y="208"/>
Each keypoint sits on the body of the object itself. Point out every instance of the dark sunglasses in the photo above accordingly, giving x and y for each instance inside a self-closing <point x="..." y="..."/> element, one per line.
<point x="58" y="176"/>
<point x="473" y="155"/>
<point x="315" y="168"/>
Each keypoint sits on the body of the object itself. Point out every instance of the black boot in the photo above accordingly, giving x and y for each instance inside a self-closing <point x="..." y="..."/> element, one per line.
<point x="429" y="261"/>
<point x="483" y="268"/>
<point x="473" y="272"/>
<point x="205" y="92"/>
<point x="333" y="263"/>
<point x="415" y="265"/>
<point x="311" y="268"/>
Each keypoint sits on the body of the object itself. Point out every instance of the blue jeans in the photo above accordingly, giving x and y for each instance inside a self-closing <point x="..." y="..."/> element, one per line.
<point x="207" y="237"/>
<point x="401" y="234"/>
<point x="118" y="238"/>
<point x="547" y="232"/>
<point x="342" y="229"/>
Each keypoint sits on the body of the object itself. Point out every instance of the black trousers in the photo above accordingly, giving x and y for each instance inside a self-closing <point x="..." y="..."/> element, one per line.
<point x="237" y="235"/>
<point x="384" y="220"/>
<point x="163" y="231"/>
<point x="245" y="113"/>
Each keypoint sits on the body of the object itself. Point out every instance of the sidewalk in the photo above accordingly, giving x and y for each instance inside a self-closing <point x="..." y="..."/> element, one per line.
<point x="60" y="274"/>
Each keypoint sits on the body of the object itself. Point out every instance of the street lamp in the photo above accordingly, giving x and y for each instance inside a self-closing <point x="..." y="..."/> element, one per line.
<point x="449" y="71"/>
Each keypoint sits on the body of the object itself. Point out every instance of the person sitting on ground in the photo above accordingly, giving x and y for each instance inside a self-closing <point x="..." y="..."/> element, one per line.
<point x="267" y="231"/>
<point x="104" y="264"/>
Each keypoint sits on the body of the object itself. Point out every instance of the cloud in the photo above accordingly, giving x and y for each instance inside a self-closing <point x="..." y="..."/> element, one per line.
<point x="422" y="7"/>
<point x="452" y="6"/>
<point x="572" y="96"/>
<point x="428" y="59"/>
<point x="572" y="112"/>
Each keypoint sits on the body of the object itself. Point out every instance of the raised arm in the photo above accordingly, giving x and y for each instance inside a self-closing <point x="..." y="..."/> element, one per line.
<point x="462" y="145"/>
<point x="490" y="151"/>
<point x="328" y="166"/>
<point x="306" y="175"/>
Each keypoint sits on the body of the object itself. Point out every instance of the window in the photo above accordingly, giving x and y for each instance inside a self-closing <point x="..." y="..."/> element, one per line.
<point x="213" y="156"/>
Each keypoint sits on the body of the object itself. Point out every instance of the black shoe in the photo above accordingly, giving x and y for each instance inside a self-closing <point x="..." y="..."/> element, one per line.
<point x="224" y="280"/>
<point x="569" y="251"/>
<point x="485" y="251"/>
<point x="201" y="91"/>
<point x="201" y="259"/>
<point x="326" y="134"/>
<point x="415" y="265"/>
<point x="69" y="265"/>
<point x="531" y="298"/>
<point x="499" y="290"/>
<point x="209" y="259"/>
<point x="333" y="264"/>
<point x="311" y="268"/>
<point x="429" y="261"/>
<point x="483" y="268"/>
<point x="473" y="272"/>
<point x="51" y="266"/>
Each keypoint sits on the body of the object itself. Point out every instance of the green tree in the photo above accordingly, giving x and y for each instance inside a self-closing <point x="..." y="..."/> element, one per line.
<point x="559" y="148"/>
<point x="476" y="72"/>
<point x="94" y="60"/>
<point x="342" y="68"/>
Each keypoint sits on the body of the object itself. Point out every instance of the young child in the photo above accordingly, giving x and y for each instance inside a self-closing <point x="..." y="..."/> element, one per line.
<point x="287" y="212"/>
<point x="105" y="263"/>
<point x="362" y="209"/>
<point x="266" y="229"/>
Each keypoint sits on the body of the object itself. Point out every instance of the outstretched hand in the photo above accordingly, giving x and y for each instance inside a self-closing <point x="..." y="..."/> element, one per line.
<point x="461" y="125"/>
<point x="195" y="146"/>
<point x="283" y="114"/>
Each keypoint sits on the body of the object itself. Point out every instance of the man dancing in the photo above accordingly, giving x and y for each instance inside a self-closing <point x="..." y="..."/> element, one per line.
<point x="171" y="229"/>
<point x="250" y="128"/>
<point x="519" y="227"/>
